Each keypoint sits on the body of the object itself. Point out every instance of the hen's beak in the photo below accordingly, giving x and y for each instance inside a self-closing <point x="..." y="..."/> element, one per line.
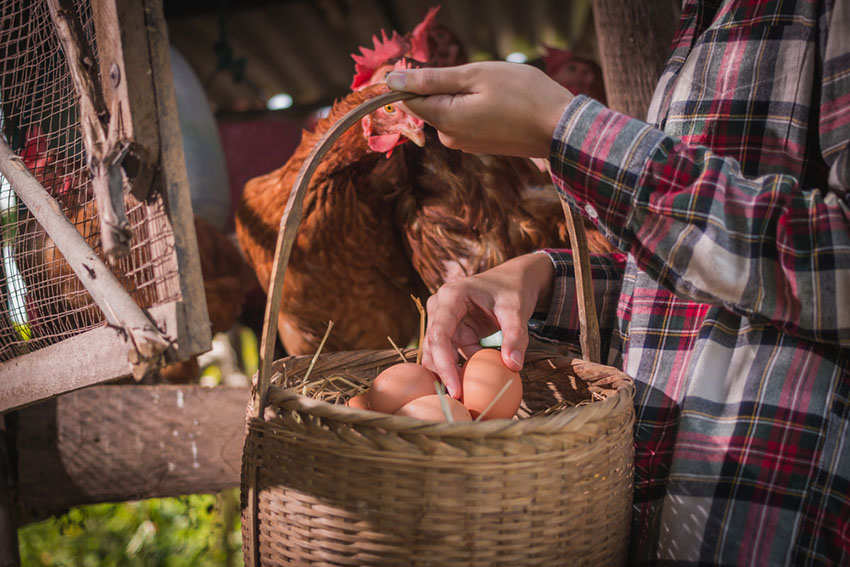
<point x="415" y="135"/>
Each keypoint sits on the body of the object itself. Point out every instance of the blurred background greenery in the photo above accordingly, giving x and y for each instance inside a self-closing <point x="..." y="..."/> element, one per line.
<point x="199" y="530"/>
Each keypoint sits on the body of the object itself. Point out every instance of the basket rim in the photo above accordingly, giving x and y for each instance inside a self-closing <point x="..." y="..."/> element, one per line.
<point x="565" y="419"/>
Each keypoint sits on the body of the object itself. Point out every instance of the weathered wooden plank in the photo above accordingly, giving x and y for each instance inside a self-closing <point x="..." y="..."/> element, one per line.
<point x="119" y="443"/>
<point x="194" y="335"/>
<point x="124" y="60"/>
<point x="93" y="357"/>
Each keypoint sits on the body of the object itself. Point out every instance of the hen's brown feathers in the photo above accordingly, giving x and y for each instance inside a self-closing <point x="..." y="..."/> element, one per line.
<point x="467" y="213"/>
<point x="347" y="263"/>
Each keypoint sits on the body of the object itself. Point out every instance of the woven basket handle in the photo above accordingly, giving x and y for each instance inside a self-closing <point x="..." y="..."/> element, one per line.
<point x="588" y="322"/>
<point x="288" y="229"/>
<point x="291" y="220"/>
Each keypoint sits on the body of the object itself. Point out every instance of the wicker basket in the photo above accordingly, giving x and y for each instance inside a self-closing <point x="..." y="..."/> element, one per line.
<point x="324" y="484"/>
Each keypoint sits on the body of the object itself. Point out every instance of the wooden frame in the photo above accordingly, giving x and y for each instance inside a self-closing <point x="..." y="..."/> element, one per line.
<point x="137" y="83"/>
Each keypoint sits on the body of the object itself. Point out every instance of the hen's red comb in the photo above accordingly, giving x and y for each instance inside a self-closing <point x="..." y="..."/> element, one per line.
<point x="385" y="49"/>
<point x="388" y="48"/>
<point x="419" y="37"/>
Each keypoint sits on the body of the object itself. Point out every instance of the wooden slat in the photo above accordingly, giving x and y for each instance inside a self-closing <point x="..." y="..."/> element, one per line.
<point x="118" y="443"/>
<point x="193" y="331"/>
<point x="93" y="357"/>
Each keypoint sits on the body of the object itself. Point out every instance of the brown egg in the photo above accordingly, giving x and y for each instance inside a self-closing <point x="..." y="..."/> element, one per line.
<point x="484" y="376"/>
<point x="430" y="409"/>
<point x="400" y="384"/>
<point x="360" y="401"/>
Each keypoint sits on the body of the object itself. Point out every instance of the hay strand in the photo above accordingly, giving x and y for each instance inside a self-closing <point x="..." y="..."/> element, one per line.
<point x="398" y="350"/>
<point x="421" y="327"/>
<point x="496" y="399"/>
<point x="316" y="356"/>
<point x="441" y="393"/>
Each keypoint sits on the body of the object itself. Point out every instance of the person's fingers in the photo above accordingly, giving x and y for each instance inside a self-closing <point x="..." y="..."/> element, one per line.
<point x="514" y="338"/>
<point x="439" y="354"/>
<point x="433" y="80"/>
<point x="442" y="360"/>
<point x="431" y="109"/>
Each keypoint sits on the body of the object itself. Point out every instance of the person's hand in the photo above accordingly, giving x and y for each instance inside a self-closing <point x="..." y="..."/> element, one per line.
<point x="462" y="312"/>
<point x="493" y="107"/>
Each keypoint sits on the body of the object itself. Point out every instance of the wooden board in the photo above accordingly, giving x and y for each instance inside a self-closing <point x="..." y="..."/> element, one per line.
<point x="90" y="358"/>
<point x="126" y="442"/>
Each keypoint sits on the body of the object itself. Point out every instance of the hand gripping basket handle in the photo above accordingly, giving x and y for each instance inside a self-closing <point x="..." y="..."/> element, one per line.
<point x="291" y="220"/>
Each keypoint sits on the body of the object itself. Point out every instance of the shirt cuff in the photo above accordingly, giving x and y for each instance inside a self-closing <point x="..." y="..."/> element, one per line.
<point x="559" y="324"/>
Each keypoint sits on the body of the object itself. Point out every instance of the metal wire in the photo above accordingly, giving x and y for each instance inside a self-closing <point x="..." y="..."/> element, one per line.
<point x="41" y="300"/>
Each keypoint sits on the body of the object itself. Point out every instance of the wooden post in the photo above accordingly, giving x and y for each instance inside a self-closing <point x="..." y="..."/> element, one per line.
<point x="119" y="443"/>
<point x="192" y="315"/>
<point x="128" y="85"/>
<point x="634" y="38"/>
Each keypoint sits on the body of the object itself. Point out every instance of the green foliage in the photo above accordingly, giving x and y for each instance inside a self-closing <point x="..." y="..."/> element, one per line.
<point x="193" y="531"/>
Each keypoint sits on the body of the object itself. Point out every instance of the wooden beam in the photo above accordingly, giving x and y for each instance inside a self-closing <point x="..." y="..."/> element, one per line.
<point x="119" y="443"/>
<point x="90" y="358"/>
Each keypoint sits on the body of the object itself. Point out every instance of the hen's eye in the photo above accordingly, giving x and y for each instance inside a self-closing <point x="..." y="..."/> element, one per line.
<point x="389" y="108"/>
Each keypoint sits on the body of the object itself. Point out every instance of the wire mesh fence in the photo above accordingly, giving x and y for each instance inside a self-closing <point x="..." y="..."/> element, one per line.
<point x="41" y="299"/>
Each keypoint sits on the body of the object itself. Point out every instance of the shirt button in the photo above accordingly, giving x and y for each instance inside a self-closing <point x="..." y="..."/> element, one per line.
<point x="591" y="212"/>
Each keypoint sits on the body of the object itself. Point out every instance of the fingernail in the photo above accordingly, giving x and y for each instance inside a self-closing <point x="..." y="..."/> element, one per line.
<point x="516" y="356"/>
<point x="397" y="80"/>
<point x="451" y="391"/>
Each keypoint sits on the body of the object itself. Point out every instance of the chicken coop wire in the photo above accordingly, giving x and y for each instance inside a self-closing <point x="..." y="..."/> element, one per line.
<point x="42" y="301"/>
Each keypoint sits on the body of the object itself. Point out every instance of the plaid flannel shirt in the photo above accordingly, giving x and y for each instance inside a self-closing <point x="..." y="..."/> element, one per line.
<point x="731" y="304"/>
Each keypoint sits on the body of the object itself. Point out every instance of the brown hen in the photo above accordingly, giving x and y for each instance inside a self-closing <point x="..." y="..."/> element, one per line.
<point x="348" y="262"/>
<point x="461" y="213"/>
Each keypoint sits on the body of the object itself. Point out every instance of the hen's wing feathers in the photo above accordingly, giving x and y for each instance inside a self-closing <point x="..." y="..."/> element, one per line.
<point x="467" y="213"/>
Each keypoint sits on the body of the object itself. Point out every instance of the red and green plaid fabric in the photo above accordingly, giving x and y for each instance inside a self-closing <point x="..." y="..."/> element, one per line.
<point x="734" y="295"/>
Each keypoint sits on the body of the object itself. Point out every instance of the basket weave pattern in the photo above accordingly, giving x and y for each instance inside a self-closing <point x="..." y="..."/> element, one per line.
<point x="339" y="486"/>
